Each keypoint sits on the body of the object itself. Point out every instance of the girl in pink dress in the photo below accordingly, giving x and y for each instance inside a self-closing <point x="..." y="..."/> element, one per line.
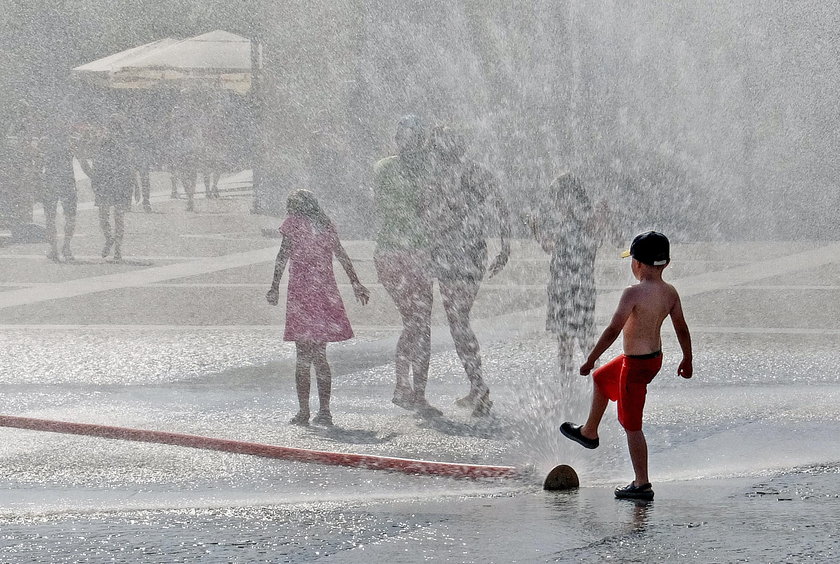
<point x="315" y="314"/>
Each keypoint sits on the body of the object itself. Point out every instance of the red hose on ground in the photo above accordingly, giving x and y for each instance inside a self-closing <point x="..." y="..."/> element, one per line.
<point x="269" y="451"/>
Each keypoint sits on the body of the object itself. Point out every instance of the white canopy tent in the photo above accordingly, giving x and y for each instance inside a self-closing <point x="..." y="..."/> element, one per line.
<point x="217" y="59"/>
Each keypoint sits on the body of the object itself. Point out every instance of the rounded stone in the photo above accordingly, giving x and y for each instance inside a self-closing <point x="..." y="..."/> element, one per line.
<point x="561" y="477"/>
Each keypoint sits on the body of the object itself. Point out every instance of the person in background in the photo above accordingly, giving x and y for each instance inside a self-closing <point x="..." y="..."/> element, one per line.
<point x="59" y="185"/>
<point x="112" y="179"/>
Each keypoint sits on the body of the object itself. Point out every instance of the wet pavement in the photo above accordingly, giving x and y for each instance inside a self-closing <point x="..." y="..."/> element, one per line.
<point x="178" y="337"/>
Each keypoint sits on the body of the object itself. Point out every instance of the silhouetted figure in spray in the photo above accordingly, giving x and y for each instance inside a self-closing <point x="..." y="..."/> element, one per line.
<point x="58" y="185"/>
<point x="570" y="229"/>
<point x="402" y="258"/>
<point x="112" y="179"/>
<point x="463" y="208"/>
<point x="315" y="313"/>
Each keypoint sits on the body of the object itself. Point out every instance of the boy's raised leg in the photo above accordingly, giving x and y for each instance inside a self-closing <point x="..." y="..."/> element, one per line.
<point x="587" y="434"/>
<point x="596" y="413"/>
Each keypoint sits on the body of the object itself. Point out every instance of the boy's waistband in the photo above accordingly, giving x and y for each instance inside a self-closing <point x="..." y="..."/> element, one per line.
<point x="654" y="354"/>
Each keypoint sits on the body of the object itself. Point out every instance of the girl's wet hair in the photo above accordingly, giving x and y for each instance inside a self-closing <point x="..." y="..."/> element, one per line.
<point x="303" y="202"/>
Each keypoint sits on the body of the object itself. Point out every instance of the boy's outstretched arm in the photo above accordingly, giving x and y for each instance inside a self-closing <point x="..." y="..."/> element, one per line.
<point x="273" y="295"/>
<point x="686" y="368"/>
<point x="613" y="330"/>
<point x="362" y="294"/>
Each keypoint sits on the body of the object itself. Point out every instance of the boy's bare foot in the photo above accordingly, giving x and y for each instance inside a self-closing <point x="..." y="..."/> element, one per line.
<point x="573" y="432"/>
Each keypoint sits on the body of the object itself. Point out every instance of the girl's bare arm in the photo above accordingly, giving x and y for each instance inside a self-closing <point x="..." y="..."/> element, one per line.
<point x="273" y="295"/>
<point x="362" y="294"/>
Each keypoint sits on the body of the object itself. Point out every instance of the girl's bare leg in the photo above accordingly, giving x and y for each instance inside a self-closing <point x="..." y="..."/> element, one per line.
<point x="303" y="365"/>
<point x="323" y="377"/>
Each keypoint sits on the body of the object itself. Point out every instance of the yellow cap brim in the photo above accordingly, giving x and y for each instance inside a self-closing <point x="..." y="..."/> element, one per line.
<point x="625" y="254"/>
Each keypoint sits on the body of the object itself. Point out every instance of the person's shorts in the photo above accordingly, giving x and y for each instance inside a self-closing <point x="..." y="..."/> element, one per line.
<point x="624" y="380"/>
<point x="404" y="273"/>
<point x="51" y="192"/>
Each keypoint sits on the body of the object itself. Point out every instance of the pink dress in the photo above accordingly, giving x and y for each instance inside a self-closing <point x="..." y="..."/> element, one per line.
<point x="314" y="309"/>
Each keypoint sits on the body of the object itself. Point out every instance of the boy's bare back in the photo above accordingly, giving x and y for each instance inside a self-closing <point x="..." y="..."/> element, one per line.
<point x="650" y="302"/>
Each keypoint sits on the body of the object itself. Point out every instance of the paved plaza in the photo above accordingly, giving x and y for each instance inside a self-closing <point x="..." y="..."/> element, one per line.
<point x="178" y="337"/>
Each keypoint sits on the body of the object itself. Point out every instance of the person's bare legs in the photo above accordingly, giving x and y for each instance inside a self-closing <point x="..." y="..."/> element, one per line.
<point x="145" y="189"/>
<point x="458" y="297"/>
<point x="323" y="377"/>
<point x="188" y="179"/>
<point x="69" y="209"/>
<point x="303" y="364"/>
<point x="596" y="413"/>
<point x="207" y="178"/>
<point x="413" y="299"/>
<point x="105" y="226"/>
<point x="414" y="345"/>
<point x="421" y="327"/>
<point x="173" y="181"/>
<point x="50" y="213"/>
<point x="216" y="176"/>
<point x="637" y="444"/>
<point x="119" y="231"/>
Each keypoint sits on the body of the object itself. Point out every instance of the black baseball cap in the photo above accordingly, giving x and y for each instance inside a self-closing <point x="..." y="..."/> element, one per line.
<point x="651" y="248"/>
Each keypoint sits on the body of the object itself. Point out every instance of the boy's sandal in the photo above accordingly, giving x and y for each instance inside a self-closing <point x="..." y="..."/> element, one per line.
<point x="572" y="431"/>
<point x="632" y="491"/>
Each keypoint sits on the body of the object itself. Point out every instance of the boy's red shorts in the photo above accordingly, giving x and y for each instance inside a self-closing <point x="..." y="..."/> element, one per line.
<point x="624" y="379"/>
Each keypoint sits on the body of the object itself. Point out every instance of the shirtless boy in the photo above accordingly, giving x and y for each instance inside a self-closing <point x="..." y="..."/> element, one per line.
<point x="640" y="313"/>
